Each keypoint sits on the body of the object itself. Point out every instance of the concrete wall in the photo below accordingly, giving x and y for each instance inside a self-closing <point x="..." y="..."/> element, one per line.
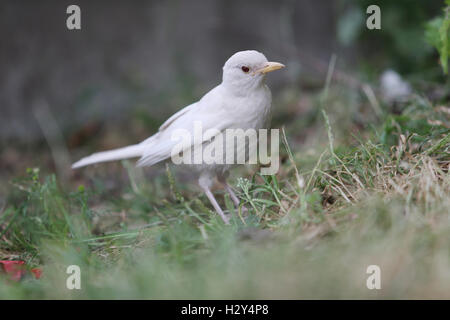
<point x="129" y="52"/>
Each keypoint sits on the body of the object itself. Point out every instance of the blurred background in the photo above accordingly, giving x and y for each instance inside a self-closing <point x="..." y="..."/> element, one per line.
<point x="152" y="57"/>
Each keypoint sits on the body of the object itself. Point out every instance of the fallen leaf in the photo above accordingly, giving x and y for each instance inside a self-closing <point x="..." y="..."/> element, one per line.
<point x="14" y="268"/>
<point x="37" y="272"/>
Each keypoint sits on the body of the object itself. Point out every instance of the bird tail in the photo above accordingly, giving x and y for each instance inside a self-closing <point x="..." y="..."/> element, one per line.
<point x="116" y="154"/>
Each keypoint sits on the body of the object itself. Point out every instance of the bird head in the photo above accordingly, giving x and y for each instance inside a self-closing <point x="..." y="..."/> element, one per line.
<point x="247" y="69"/>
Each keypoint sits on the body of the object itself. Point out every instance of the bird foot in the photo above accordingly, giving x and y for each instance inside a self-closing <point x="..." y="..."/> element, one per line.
<point x="225" y="219"/>
<point x="243" y="209"/>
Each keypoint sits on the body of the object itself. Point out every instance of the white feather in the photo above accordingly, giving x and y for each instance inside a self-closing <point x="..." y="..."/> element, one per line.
<point x="117" y="154"/>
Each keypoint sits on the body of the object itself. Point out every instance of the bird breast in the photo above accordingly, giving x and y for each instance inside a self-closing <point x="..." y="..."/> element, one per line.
<point x="252" y="111"/>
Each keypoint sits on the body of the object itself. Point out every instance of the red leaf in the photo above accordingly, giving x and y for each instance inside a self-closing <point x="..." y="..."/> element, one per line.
<point x="14" y="269"/>
<point x="37" y="272"/>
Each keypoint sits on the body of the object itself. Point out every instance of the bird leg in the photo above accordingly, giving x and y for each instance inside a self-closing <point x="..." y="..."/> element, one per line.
<point x="230" y="191"/>
<point x="232" y="195"/>
<point x="215" y="205"/>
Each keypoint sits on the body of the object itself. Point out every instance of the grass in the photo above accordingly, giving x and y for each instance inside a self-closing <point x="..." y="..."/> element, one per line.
<point x="363" y="188"/>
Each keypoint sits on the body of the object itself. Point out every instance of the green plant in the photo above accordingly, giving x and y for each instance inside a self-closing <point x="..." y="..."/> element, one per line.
<point x="438" y="35"/>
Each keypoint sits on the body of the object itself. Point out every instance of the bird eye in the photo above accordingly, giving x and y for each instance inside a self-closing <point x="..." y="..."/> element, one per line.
<point x="245" y="69"/>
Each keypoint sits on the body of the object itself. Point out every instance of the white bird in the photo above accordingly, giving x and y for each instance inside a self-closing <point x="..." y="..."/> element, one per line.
<point x="241" y="101"/>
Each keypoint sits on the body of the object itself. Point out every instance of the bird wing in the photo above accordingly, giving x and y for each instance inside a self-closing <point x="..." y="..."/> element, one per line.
<point x="174" y="117"/>
<point x="211" y="111"/>
<point x="169" y="121"/>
